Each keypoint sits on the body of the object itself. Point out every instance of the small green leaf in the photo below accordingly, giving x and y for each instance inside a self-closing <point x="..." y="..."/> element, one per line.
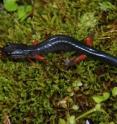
<point x="10" y="5"/>
<point x="75" y="107"/>
<point x="62" y="121"/>
<point x="98" y="107"/>
<point x="99" y="99"/>
<point x="24" y="11"/>
<point x="71" y="120"/>
<point x="114" y="91"/>
<point x="106" y="95"/>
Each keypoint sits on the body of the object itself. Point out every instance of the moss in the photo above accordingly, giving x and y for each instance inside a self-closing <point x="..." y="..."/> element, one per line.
<point x="33" y="93"/>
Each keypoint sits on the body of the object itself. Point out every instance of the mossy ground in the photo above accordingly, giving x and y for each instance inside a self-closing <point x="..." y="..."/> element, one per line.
<point x="39" y="93"/>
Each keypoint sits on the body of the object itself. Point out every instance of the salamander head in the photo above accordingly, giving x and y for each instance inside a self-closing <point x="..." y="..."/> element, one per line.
<point x="14" y="51"/>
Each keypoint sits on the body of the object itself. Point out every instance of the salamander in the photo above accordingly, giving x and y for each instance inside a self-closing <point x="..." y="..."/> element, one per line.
<point x="54" y="44"/>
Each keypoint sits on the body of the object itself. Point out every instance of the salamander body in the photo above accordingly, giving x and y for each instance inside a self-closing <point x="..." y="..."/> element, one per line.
<point x="54" y="44"/>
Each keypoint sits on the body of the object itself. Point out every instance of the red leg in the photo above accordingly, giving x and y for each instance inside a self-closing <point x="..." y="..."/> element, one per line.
<point x="40" y="58"/>
<point x="89" y="42"/>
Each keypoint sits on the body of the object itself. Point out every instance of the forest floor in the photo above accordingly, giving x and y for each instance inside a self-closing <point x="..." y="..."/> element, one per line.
<point x="50" y="93"/>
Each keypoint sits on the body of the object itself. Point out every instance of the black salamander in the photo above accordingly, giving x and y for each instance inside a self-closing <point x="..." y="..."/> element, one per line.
<point x="54" y="44"/>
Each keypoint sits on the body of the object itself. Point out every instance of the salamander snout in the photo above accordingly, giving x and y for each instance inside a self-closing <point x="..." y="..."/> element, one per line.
<point x="13" y="51"/>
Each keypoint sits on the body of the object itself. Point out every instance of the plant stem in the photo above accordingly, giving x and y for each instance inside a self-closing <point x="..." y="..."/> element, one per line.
<point x="86" y="113"/>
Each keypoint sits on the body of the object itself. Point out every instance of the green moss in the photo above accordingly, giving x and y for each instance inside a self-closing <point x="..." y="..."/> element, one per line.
<point x="37" y="93"/>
